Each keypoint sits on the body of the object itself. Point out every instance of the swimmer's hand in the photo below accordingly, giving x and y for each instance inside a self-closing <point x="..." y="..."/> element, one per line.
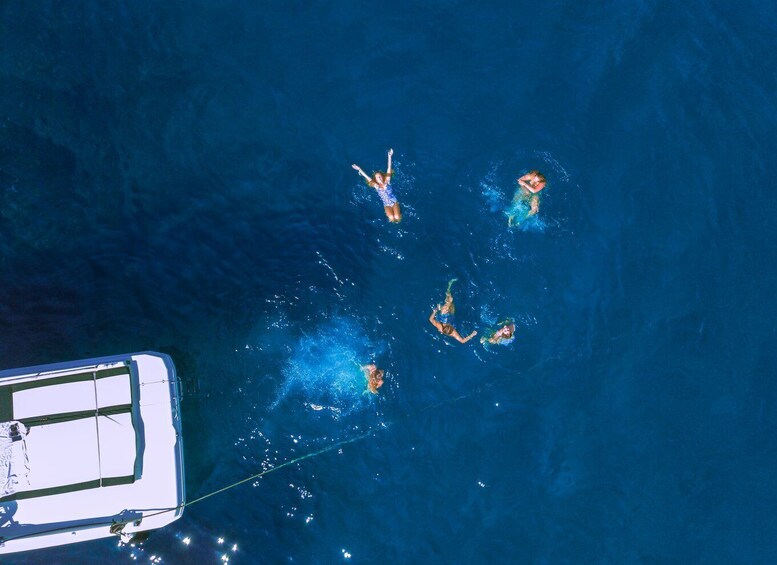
<point x="390" y="152"/>
<point x="358" y="169"/>
<point x="469" y="337"/>
<point x="525" y="184"/>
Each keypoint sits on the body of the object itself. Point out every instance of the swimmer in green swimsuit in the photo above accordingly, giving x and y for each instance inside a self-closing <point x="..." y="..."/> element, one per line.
<point x="382" y="183"/>
<point x="442" y="317"/>
<point x="526" y="202"/>
<point x="503" y="336"/>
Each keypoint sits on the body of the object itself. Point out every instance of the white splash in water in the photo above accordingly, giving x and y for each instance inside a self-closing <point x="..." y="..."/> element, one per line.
<point x="325" y="368"/>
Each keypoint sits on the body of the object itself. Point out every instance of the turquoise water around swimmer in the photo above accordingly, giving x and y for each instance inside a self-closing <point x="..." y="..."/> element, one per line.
<point x="324" y="371"/>
<point x="177" y="177"/>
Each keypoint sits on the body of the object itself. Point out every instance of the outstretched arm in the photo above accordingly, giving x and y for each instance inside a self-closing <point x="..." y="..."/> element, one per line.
<point x="390" y="153"/>
<point x="362" y="173"/>
<point x="460" y="339"/>
<point x="434" y="322"/>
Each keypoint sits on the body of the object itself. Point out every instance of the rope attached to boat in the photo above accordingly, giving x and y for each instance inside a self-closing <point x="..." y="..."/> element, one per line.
<point x="117" y="527"/>
<point x="263" y="473"/>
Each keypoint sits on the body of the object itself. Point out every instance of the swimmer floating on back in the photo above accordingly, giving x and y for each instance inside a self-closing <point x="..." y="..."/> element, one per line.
<point x="503" y="336"/>
<point x="374" y="377"/>
<point x="382" y="183"/>
<point x="526" y="202"/>
<point x="442" y="317"/>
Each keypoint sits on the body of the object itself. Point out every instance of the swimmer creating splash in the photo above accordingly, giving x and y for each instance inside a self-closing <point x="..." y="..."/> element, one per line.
<point x="374" y="377"/>
<point x="442" y="317"/>
<point x="382" y="183"/>
<point x="526" y="202"/>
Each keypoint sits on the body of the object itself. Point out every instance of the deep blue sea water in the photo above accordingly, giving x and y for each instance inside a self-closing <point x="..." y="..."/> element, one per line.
<point x="176" y="177"/>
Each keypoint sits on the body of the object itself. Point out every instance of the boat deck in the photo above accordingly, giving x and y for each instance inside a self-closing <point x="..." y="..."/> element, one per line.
<point x="97" y="442"/>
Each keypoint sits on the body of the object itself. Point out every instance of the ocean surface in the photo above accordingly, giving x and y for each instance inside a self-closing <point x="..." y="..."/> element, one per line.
<point x="177" y="177"/>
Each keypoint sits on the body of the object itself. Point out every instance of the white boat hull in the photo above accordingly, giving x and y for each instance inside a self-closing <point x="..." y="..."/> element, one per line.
<point x="98" y="450"/>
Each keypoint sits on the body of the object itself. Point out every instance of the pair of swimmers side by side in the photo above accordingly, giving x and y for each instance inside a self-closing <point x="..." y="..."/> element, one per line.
<point x="442" y="318"/>
<point x="524" y="205"/>
<point x="381" y="182"/>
